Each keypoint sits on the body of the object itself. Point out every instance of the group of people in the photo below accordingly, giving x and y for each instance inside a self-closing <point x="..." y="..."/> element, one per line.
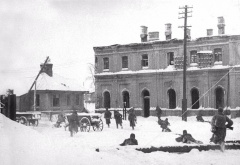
<point x="118" y="118"/>
<point x="219" y="124"/>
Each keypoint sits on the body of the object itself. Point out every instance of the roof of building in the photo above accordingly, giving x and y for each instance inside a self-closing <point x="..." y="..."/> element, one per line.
<point x="56" y="82"/>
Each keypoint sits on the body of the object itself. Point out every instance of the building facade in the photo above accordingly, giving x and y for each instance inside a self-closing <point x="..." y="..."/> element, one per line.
<point x="144" y="75"/>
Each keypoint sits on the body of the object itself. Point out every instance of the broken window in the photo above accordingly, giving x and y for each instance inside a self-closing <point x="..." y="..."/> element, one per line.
<point x="170" y="57"/>
<point x="217" y="54"/>
<point x="145" y="60"/>
<point x="193" y="56"/>
<point x="106" y="63"/>
<point x="125" y="62"/>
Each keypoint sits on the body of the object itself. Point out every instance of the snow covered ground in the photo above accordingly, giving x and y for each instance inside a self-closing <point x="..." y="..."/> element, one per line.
<point x="45" y="145"/>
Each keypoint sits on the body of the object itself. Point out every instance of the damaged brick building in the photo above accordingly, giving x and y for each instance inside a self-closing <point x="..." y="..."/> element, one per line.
<point x="144" y="75"/>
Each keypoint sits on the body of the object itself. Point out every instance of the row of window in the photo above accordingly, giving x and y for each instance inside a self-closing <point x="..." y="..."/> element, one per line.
<point x="172" y="98"/>
<point x="56" y="100"/>
<point x="194" y="58"/>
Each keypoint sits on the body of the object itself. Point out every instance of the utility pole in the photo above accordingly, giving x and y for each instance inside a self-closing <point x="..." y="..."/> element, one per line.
<point x="35" y="83"/>
<point x="184" y="100"/>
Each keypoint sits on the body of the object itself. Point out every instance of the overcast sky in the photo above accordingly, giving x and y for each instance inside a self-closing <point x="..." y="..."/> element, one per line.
<point x="67" y="31"/>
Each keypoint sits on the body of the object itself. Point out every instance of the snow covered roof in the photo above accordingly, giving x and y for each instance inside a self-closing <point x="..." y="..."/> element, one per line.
<point x="56" y="82"/>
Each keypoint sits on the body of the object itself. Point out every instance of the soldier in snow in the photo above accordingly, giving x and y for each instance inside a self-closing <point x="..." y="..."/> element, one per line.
<point x="187" y="138"/>
<point x="108" y="116"/>
<point x="164" y="125"/>
<point x="132" y="118"/>
<point x="130" y="141"/>
<point x="220" y="123"/>
<point x="118" y="118"/>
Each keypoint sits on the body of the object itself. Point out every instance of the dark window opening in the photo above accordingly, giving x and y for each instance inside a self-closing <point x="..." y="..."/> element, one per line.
<point x="124" y="62"/>
<point x="170" y="56"/>
<point x="193" y="56"/>
<point x="219" y="94"/>
<point x="56" y="102"/>
<point x="195" y="98"/>
<point x="107" y="100"/>
<point x="106" y="63"/>
<point x="145" y="60"/>
<point x="126" y="99"/>
<point x="146" y="103"/>
<point x="172" y="98"/>
<point x="217" y="54"/>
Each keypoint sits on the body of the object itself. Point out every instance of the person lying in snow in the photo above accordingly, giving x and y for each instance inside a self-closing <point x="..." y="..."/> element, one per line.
<point x="130" y="141"/>
<point x="187" y="138"/>
<point x="164" y="125"/>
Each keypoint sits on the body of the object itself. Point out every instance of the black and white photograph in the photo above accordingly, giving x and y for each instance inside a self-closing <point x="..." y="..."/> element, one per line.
<point x="123" y="82"/>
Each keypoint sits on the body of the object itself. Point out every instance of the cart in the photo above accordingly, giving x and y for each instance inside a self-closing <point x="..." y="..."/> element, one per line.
<point x="28" y="118"/>
<point x="86" y="120"/>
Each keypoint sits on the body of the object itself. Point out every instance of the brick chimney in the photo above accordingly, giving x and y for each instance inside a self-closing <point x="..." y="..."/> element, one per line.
<point x="209" y="32"/>
<point x="221" y="26"/>
<point x="153" y="36"/>
<point x="47" y="69"/>
<point x="144" y="34"/>
<point x="168" y="31"/>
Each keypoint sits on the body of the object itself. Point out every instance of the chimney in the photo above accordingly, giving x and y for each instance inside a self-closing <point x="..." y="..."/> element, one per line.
<point x="168" y="31"/>
<point x="143" y="34"/>
<point x="209" y="32"/>
<point x="153" y="36"/>
<point x="221" y="26"/>
<point x="47" y="69"/>
<point x="189" y="34"/>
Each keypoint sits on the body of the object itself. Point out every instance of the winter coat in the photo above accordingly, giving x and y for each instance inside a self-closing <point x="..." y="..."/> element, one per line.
<point x="129" y="141"/>
<point x="73" y="122"/>
<point x="132" y="118"/>
<point x="219" y="126"/>
<point x="107" y="115"/>
<point x="118" y="117"/>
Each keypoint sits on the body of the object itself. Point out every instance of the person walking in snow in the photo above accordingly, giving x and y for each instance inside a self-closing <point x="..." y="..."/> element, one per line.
<point x="118" y="118"/>
<point x="108" y="116"/>
<point x="73" y="123"/>
<point x="220" y="123"/>
<point x="132" y="118"/>
<point x="158" y="112"/>
<point x="130" y="141"/>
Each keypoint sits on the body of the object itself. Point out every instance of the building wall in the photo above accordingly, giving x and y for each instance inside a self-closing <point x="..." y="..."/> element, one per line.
<point x="46" y="101"/>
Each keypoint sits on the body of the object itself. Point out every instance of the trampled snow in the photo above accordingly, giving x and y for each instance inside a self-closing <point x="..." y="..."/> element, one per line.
<point x="45" y="145"/>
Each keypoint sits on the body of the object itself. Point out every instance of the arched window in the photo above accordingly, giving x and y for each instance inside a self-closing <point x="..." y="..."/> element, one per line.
<point x="126" y="99"/>
<point x="146" y="102"/>
<point x="107" y="100"/>
<point x="219" y="95"/>
<point x="172" y="98"/>
<point x="195" y="98"/>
